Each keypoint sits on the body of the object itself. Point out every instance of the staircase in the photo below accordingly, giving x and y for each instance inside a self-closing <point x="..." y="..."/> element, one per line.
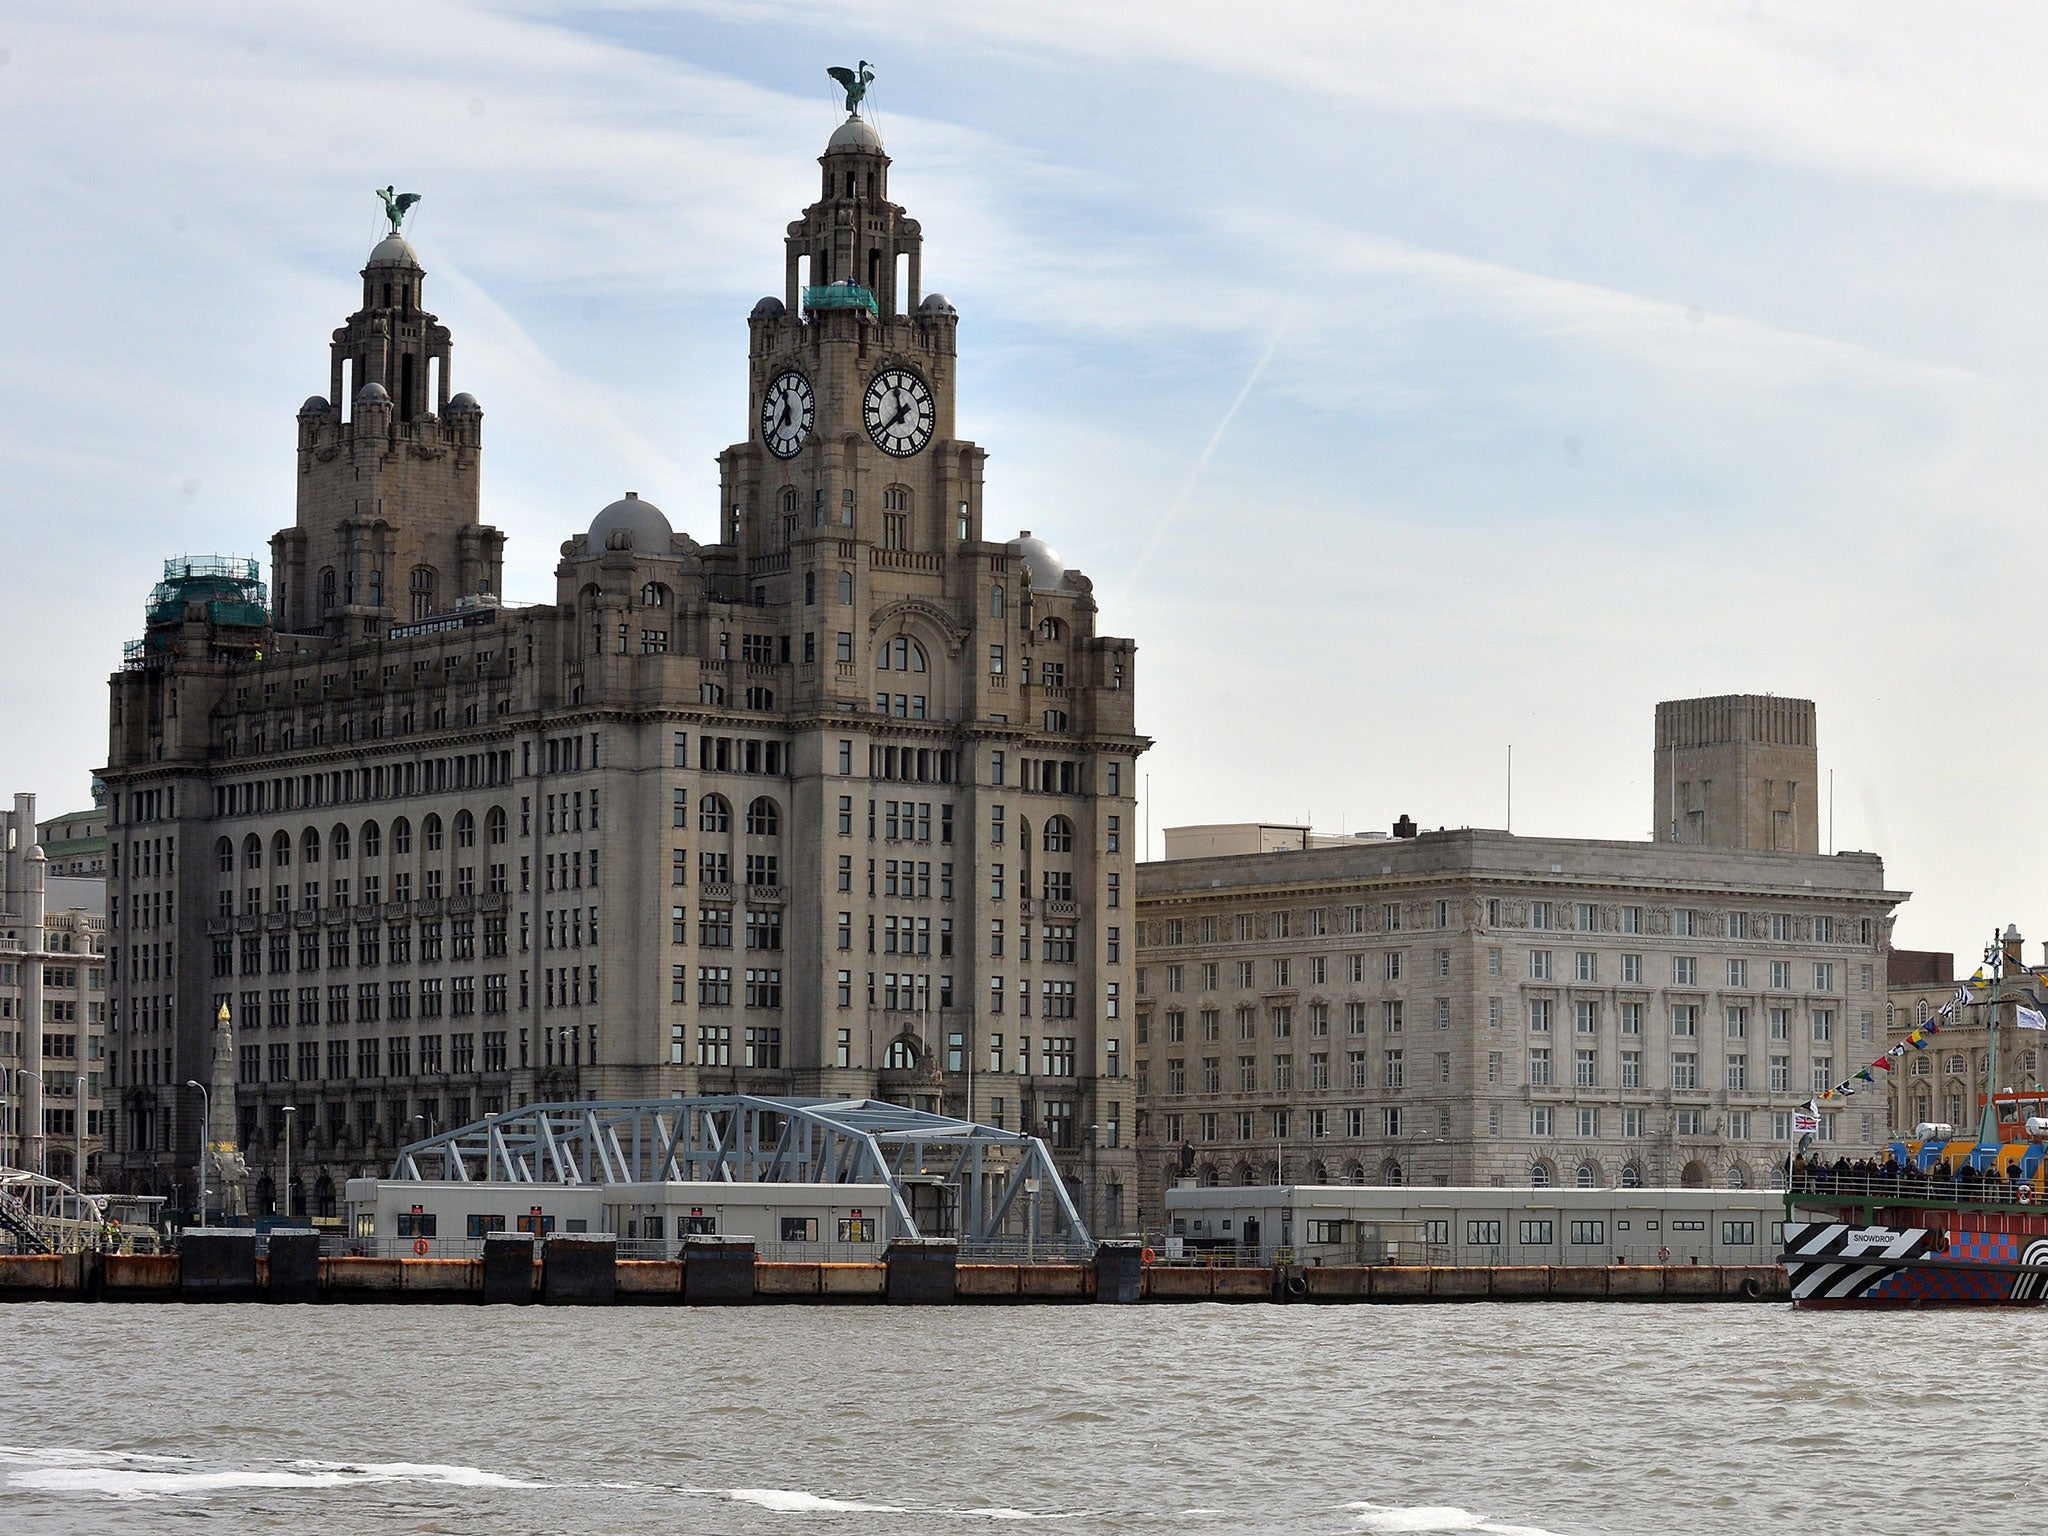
<point x="27" y="1232"/>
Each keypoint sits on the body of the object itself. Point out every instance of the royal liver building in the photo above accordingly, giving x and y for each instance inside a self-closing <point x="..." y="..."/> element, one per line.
<point x="838" y="802"/>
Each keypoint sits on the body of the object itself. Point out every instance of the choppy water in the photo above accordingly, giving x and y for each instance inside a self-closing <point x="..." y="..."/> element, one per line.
<point x="1523" y="1419"/>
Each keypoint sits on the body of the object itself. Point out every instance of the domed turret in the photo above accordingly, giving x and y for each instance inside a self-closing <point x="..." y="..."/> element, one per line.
<point x="770" y="308"/>
<point x="373" y="394"/>
<point x="316" y="405"/>
<point x="1042" y="563"/>
<point x="464" y="404"/>
<point x="394" y="251"/>
<point x="936" y="304"/>
<point x="855" y="133"/>
<point x="641" y="522"/>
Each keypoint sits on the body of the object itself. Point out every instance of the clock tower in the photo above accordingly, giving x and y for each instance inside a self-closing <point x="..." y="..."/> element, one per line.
<point x="961" y="748"/>
<point x="852" y="377"/>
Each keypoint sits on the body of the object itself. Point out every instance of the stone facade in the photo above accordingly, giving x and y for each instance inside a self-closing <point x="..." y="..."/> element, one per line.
<point x="839" y="802"/>
<point x="53" y="1008"/>
<point x="1468" y="1008"/>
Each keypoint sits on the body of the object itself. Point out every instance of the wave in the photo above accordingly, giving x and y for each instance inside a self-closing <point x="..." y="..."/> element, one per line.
<point x="117" y="1475"/>
<point x="1397" y="1520"/>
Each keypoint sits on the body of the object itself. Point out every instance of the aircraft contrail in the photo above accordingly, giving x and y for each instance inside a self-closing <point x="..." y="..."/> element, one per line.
<point x="1180" y="502"/>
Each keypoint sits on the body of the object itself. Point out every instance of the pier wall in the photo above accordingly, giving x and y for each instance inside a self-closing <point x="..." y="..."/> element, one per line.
<point x="589" y="1276"/>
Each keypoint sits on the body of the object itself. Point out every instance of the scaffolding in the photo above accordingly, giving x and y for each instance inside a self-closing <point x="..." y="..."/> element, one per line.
<point x="991" y="1188"/>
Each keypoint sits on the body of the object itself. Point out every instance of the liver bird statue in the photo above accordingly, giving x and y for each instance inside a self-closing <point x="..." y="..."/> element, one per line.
<point x="396" y="204"/>
<point x="856" y="83"/>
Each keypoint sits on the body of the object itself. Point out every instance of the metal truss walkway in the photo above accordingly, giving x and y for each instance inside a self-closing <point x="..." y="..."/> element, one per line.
<point x="945" y="1177"/>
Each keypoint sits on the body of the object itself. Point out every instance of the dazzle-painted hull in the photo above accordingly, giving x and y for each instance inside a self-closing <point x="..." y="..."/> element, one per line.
<point x="1841" y="1264"/>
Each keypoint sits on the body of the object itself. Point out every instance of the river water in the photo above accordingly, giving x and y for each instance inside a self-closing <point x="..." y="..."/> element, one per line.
<point x="1524" y="1419"/>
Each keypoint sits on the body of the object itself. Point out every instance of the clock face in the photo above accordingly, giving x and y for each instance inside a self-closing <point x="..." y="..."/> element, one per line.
<point x="787" y="411"/>
<point x="898" y="411"/>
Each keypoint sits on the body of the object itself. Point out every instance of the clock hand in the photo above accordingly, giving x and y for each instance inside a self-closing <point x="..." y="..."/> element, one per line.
<point x="782" y="420"/>
<point x="902" y="411"/>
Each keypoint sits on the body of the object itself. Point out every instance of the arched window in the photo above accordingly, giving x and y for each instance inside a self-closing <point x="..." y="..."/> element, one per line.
<point x="252" y="852"/>
<point x="711" y="693"/>
<point x="896" y="498"/>
<point x="714" y="814"/>
<point x="1059" y="835"/>
<point x="373" y="841"/>
<point x="1738" y="1176"/>
<point x="901" y="654"/>
<point x="1391" y="1174"/>
<point x="309" y="846"/>
<point x="789" y="498"/>
<point x="760" y="698"/>
<point x="465" y="830"/>
<point x="902" y="1056"/>
<point x="1631" y="1176"/>
<point x="376" y="590"/>
<point x="224" y="856"/>
<point x="430" y="834"/>
<point x="845" y="589"/>
<point x="401" y="837"/>
<point x="1541" y="1175"/>
<point x="1587" y="1176"/>
<point x="995" y="601"/>
<point x="422" y="586"/>
<point x="654" y="595"/>
<point x="1355" y="1173"/>
<point x="337" y="844"/>
<point x="1051" y="629"/>
<point x="494" y="825"/>
<point x="763" y="820"/>
<point x="1055" y="720"/>
<point x="326" y="590"/>
<point x="1318" y="1174"/>
<point x="280" y="850"/>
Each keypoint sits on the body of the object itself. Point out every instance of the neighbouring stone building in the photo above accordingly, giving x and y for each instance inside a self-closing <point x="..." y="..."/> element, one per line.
<point x="1944" y="1083"/>
<point x="53" y="1008"/>
<point x="836" y="799"/>
<point x="1471" y="1007"/>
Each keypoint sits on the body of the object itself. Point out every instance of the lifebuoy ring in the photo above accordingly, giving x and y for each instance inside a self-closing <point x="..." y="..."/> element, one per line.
<point x="2026" y="1194"/>
<point x="1752" y="1288"/>
<point x="1148" y="1257"/>
<point x="419" y="1246"/>
<point x="1663" y="1255"/>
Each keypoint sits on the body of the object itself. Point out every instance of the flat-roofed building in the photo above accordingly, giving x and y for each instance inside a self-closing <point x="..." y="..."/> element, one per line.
<point x="1471" y="1007"/>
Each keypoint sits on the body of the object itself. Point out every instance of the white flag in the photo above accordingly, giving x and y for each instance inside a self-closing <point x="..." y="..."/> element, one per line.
<point x="2031" y="1018"/>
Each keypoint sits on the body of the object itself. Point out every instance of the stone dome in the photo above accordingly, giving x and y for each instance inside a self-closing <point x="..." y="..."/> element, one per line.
<point x="316" y="405"/>
<point x="464" y="404"/>
<point x="642" y="521"/>
<point x="770" y="308"/>
<point x="1042" y="563"/>
<point x="373" y="394"/>
<point x="394" y="251"/>
<point x="854" y="133"/>
<point x="936" y="304"/>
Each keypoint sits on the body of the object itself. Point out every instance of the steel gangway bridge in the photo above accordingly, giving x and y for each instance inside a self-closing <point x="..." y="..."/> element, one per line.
<point x="992" y="1189"/>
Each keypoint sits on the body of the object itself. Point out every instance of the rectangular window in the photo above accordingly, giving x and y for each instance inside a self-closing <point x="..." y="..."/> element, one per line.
<point x="1539" y="965"/>
<point x="1482" y="1234"/>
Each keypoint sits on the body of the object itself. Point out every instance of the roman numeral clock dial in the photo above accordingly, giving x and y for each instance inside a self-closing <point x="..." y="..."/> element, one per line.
<point x="787" y="411"/>
<point x="898" y="411"/>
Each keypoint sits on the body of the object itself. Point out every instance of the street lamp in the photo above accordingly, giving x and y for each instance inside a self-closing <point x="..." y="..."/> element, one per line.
<point x="78" y="1134"/>
<point x="288" y="1111"/>
<point x="205" y="1130"/>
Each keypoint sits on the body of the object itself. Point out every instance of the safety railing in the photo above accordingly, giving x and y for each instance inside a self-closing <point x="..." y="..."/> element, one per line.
<point x="1935" y="1187"/>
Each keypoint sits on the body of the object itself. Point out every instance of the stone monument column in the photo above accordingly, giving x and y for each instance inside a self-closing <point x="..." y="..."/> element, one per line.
<point x="230" y="1172"/>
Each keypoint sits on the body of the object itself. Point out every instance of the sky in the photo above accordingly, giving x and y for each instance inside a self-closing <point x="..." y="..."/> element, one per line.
<point x="1413" y="382"/>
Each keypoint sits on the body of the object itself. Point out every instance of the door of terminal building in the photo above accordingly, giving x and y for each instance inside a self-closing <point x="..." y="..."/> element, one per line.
<point x="932" y="1208"/>
<point x="1251" y="1233"/>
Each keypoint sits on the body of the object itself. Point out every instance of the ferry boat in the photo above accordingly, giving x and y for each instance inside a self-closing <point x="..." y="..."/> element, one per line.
<point x="1942" y="1222"/>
